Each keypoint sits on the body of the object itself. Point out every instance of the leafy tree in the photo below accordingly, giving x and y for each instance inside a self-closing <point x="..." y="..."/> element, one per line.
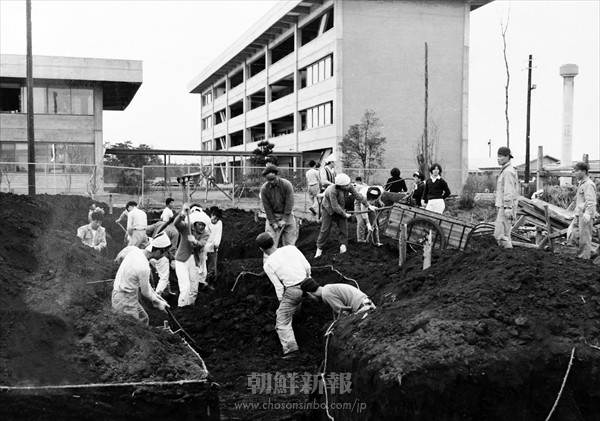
<point x="136" y="161"/>
<point x="130" y="181"/>
<point x="362" y="146"/>
<point x="262" y="153"/>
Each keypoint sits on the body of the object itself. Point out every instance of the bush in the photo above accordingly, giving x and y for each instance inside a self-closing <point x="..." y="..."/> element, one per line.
<point x="559" y="195"/>
<point x="129" y="182"/>
<point x="476" y="183"/>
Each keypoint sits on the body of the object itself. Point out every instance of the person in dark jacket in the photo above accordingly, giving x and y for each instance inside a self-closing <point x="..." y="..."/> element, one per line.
<point x="395" y="183"/>
<point x="418" y="188"/>
<point x="436" y="190"/>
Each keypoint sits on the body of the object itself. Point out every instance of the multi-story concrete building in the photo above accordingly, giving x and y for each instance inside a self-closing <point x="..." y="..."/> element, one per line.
<point x="309" y="69"/>
<point x="69" y="97"/>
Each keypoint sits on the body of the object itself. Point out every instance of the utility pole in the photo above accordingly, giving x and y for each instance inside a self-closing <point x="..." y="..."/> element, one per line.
<point x="529" y="88"/>
<point x="30" y="132"/>
<point x="489" y="148"/>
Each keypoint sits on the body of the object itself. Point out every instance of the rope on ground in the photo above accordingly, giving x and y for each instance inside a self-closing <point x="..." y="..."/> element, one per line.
<point x="95" y="385"/>
<point x="241" y="274"/>
<point x="340" y="273"/>
<point x="328" y="333"/>
<point x="168" y="329"/>
<point x="563" y="384"/>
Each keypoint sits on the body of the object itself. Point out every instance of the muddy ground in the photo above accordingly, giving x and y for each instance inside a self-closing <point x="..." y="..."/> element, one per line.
<point x="483" y="334"/>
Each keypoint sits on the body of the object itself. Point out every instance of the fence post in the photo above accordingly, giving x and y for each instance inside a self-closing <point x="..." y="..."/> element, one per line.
<point x="540" y="157"/>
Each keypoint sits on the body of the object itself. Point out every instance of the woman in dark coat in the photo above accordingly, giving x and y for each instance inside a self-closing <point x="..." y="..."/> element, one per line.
<point x="395" y="183"/>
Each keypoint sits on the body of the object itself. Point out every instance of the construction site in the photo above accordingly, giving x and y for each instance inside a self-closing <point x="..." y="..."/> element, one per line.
<point x="484" y="333"/>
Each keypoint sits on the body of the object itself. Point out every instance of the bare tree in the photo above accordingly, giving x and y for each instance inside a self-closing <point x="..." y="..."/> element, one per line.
<point x="427" y="146"/>
<point x="7" y="173"/>
<point x="363" y="144"/>
<point x="94" y="183"/>
<point x="503" y="30"/>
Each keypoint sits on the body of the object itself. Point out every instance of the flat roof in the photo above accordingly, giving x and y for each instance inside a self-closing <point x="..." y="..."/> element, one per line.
<point x="120" y="79"/>
<point x="182" y="152"/>
<point x="280" y="18"/>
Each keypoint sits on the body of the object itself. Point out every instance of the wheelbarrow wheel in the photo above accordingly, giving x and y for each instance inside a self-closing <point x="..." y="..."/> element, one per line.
<point x="480" y="230"/>
<point x="417" y="230"/>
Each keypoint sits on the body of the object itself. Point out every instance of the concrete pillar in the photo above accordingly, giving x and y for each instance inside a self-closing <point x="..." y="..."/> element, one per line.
<point x="568" y="72"/>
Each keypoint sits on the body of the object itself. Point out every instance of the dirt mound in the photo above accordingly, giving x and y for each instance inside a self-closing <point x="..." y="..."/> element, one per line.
<point x="483" y="334"/>
<point x="57" y="327"/>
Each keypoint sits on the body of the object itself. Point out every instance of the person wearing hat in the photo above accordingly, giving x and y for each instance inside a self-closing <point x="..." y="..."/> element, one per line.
<point x="507" y="198"/>
<point x="164" y="265"/>
<point x="418" y="187"/>
<point x="366" y="220"/>
<point x="190" y="257"/>
<point x="277" y="195"/>
<point x="328" y="172"/>
<point x="137" y="221"/>
<point x="93" y="234"/>
<point x="581" y="227"/>
<point x="342" y="298"/>
<point x="286" y="267"/>
<point x="334" y="202"/>
<point x="436" y="190"/>
<point x="134" y="274"/>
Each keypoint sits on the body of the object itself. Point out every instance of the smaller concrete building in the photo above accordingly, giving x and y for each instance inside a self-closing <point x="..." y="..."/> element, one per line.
<point x="69" y="97"/>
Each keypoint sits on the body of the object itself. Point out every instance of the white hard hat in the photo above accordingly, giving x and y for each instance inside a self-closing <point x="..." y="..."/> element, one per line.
<point x="342" y="180"/>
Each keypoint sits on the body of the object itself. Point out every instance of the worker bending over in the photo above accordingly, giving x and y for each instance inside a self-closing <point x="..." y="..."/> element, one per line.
<point x="342" y="298"/>
<point x="366" y="219"/>
<point x="277" y="195"/>
<point x="134" y="275"/>
<point x="286" y="267"/>
<point x="165" y="263"/>
<point x="334" y="210"/>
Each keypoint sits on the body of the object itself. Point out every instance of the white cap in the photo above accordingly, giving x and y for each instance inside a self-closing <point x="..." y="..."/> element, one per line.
<point x="199" y="216"/>
<point x="330" y="158"/>
<point x="161" y="241"/>
<point x="342" y="180"/>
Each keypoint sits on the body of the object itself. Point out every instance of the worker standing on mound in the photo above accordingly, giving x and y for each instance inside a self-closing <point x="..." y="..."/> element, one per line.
<point x="507" y="198"/>
<point x="286" y="267"/>
<point x="334" y="202"/>
<point x="342" y="298"/>
<point x="137" y="221"/>
<point x="134" y="275"/>
<point x="581" y="228"/>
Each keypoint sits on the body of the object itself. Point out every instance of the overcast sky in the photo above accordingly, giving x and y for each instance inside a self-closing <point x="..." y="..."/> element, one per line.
<point x="177" y="40"/>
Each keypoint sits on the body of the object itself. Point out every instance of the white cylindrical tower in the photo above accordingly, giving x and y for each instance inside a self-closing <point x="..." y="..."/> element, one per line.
<point x="568" y="72"/>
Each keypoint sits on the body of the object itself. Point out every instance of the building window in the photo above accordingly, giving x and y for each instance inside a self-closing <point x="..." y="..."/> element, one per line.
<point x="236" y="109"/>
<point x="207" y="122"/>
<point x="283" y="87"/>
<point x="256" y="100"/>
<point x="220" y="116"/>
<point x="206" y="99"/>
<point x="283" y="49"/>
<point x="236" y="79"/>
<point x="316" y="72"/>
<point x="317" y="27"/>
<point x="82" y="101"/>
<point x="236" y="138"/>
<point x="207" y="145"/>
<point x="59" y="101"/>
<point x="257" y="66"/>
<point x="321" y="115"/>
<point x="66" y="156"/>
<point x="220" y="89"/>
<point x="10" y="98"/>
<point x="282" y="126"/>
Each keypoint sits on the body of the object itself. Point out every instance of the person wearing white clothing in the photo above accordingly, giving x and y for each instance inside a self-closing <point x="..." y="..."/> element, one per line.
<point x="286" y="267"/>
<point x="190" y="258"/>
<point x="216" y="233"/>
<point x="167" y="212"/>
<point x="134" y="275"/>
<point x="137" y="221"/>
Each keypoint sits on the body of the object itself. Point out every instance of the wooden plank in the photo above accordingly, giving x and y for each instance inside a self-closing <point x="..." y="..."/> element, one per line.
<point x="525" y="245"/>
<point x="548" y="227"/>
<point x="402" y="245"/>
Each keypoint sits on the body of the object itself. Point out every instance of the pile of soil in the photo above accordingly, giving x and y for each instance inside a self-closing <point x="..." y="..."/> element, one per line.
<point x="483" y="334"/>
<point x="57" y="328"/>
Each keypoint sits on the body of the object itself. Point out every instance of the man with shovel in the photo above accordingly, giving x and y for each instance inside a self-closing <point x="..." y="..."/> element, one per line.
<point x="286" y="267"/>
<point x="134" y="275"/>
<point x="277" y="195"/>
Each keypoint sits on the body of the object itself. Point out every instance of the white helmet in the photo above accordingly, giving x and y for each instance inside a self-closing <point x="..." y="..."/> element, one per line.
<point x="342" y="180"/>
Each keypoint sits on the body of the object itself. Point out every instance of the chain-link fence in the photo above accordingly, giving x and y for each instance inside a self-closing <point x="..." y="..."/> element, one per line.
<point x="225" y="185"/>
